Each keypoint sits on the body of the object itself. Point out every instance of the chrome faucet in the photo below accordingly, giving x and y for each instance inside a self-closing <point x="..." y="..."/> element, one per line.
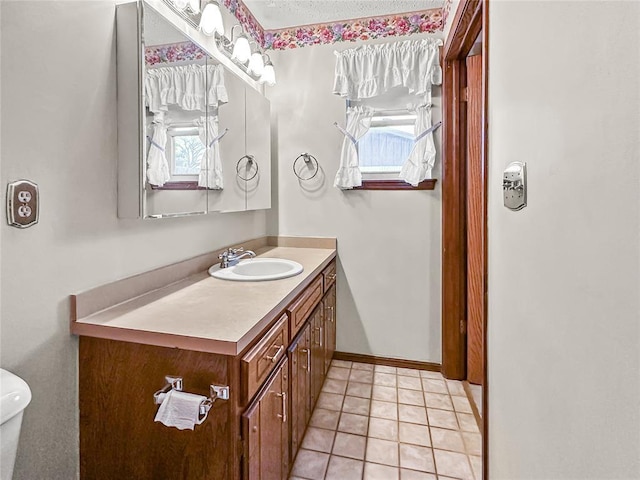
<point x="232" y="256"/>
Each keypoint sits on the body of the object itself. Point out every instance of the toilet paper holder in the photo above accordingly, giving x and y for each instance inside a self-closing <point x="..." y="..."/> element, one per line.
<point x="216" y="392"/>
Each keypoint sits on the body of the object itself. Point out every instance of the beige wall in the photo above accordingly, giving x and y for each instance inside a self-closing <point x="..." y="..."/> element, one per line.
<point x="564" y="273"/>
<point x="58" y="129"/>
<point x="388" y="242"/>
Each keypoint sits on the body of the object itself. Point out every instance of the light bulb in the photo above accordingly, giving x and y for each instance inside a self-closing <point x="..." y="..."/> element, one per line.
<point x="194" y="5"/>
<point x="256" y="64"/>
<point x="241" y="49"/>
<point x="268" y="75"/>
<point x="181" y="4"/>
<point x="211" y="19"/>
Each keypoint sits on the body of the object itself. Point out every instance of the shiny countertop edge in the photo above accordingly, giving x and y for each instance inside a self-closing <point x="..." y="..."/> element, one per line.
<point x="78" y="327"/>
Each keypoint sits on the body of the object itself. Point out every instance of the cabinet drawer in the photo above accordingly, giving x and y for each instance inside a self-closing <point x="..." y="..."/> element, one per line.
<point x="329" y="276"/>
<point x="258" y="363"/>
<point x="302" y="306"/>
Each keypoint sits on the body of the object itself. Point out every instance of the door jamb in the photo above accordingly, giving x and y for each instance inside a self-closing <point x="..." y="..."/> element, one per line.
<point x="470" y="19"/>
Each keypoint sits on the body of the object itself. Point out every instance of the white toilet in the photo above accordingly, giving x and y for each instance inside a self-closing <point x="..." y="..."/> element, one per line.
<point x="15" y="395"/>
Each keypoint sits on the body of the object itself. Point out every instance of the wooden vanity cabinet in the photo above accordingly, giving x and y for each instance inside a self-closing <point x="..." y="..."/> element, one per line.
<point x="265" y="427"/>
<point x="329" y="310"/>
<point x="300" y="368"/>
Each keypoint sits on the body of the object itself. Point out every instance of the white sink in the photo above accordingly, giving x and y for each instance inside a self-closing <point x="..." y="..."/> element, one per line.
<point x="257" y="270"/>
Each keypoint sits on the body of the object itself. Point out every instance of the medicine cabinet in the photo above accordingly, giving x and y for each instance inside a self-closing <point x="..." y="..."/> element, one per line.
<point x="193" y="137"/>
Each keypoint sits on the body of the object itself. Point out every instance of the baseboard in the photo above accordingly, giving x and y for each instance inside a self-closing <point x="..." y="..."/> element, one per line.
<point x="474" y="406"/>
<point x="390" y="362"/>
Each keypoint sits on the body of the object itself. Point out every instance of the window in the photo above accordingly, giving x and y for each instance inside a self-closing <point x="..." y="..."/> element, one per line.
<point x="186" y="152"/>
<point x="388" y="143"/>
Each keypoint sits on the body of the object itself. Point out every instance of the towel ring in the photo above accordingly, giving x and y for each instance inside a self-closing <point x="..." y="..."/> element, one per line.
<point x="250" y="160"/>
<point x="309" y="160"/>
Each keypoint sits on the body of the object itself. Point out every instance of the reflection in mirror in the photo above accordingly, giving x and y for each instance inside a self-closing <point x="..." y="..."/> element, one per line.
<point x="183" y="89"/>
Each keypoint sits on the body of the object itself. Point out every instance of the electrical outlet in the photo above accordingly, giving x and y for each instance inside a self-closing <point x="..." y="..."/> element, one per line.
<point x="22" y="203"/>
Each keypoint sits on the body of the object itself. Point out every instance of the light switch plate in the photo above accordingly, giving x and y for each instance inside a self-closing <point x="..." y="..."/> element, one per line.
<point x="22" y="204"/>
<point x="514" y="186"/>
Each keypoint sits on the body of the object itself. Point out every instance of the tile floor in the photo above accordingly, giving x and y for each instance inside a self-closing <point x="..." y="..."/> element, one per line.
<point x="386" y="423"/>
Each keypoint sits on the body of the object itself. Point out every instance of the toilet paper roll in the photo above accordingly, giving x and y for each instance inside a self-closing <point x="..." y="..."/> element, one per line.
<point x="180" y="410"/>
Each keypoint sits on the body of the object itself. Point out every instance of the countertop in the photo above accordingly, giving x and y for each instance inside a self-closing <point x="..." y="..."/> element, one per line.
<point x="203" y="313"/>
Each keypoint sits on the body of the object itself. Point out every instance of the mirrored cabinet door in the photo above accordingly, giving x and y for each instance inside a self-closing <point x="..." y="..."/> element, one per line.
<point x="258" y="138"/>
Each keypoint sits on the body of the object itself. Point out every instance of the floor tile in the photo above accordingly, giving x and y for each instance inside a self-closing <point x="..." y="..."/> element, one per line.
<point x="416" y="458"/>
<point x="476" y="466"/>
<point x="444" y="439"/>
<point x="340" y="363"/>
<point x="473" y="442"/>
<point x="414" y="475"/>
<point x="408" y="372"/>
<point x="380" y="409"/>
<point x="383" y="429"/>
<point x="453" y="464"/>
<point x="414" y="434"/>
<point x="412" y="414"/>
<point x="373" y="471"/>
<point x="356" y="405"/>
<point x="330" y="401"/>
<point x="442" y="419"/>
<point x="411" y="383"/>
<point x="310" y="465"/>
<point x="386" y="379"/>
<point x="430" y="374"/>
<point x="461" y="404"/>
<point x="382" y="451"/>
<point x="362" y="366"/>
<point x="344" y="469"/>
<point x="385" y="369"/>
<point x="362" y="376"/>
<point x="467" y="422"/>
<point x="351" y="423"/>
<point x="318" y="439"/>
<point x="410" y="397"/>
<point x="349" y="445"/>
<point x="438" y="400"/>
<point x="456" y="388"/>
<point x="338" y="373"/>
<point x="322" y="418"/>
<point x="359" y="390"/>
<point x="435" y="386"/>
<point x="332" y="385"/>
<point x="387" y="394"/>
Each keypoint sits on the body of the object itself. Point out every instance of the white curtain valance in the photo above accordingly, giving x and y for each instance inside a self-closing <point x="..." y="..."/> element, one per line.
<point x="372" y="70"/>
<point x="190" y="87"/>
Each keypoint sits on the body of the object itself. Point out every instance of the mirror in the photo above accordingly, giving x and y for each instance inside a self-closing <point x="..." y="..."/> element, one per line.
<point x="185" y="145"/>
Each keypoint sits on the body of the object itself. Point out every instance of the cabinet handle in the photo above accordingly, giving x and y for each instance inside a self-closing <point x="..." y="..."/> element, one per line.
<point x="331" y="276"/>
<point x="319" y="329"/>
<point x="274" y="358"/>
<point x="283" y="395"/>
<point x="331" y="316"/>
<point x="308" y="353"/>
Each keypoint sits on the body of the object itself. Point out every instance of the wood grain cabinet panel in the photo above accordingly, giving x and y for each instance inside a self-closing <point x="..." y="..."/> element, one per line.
<point x="258" y="363"/>
<point x="329" y="311"/>
<point x="302" y="306"/>
<point x="265" y="427"/>
<point x="329" y="276"/>
<point x="300" y="375"/>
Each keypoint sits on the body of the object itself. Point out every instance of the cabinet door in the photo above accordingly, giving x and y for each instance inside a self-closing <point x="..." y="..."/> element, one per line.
<point x="300" y="368"/>
<point x="317" y="353"/>
<point x="265" y="427"/>
<point x="232" y="197"/>
<point x="258" y="145"/>
<point x="329" y="310"/>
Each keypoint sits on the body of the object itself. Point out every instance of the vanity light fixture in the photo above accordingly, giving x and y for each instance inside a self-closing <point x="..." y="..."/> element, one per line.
<point x="182" y="5"/>
<point x="211" y="19"/>
<point x="241" y="49"/>
<point x="269" y="74"/>
<point x="256" y="62"/>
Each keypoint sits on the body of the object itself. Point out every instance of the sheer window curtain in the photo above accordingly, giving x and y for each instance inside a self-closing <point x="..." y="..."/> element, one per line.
<point x="190" y="88"/>
<point x="211" y="163"/>
<point x="358" y="123"/>
<point x="423" y="154"/>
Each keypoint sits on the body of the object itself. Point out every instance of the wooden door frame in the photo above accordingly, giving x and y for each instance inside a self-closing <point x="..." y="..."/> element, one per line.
<point x="470" y="19"/>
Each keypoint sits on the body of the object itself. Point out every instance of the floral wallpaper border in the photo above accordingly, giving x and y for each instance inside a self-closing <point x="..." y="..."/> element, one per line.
<point x="426" y="21"/>
<point x="174" y="52"/>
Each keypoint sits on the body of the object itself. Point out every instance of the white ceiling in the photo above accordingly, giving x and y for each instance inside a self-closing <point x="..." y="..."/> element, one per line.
<point x="276" y="14"/>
